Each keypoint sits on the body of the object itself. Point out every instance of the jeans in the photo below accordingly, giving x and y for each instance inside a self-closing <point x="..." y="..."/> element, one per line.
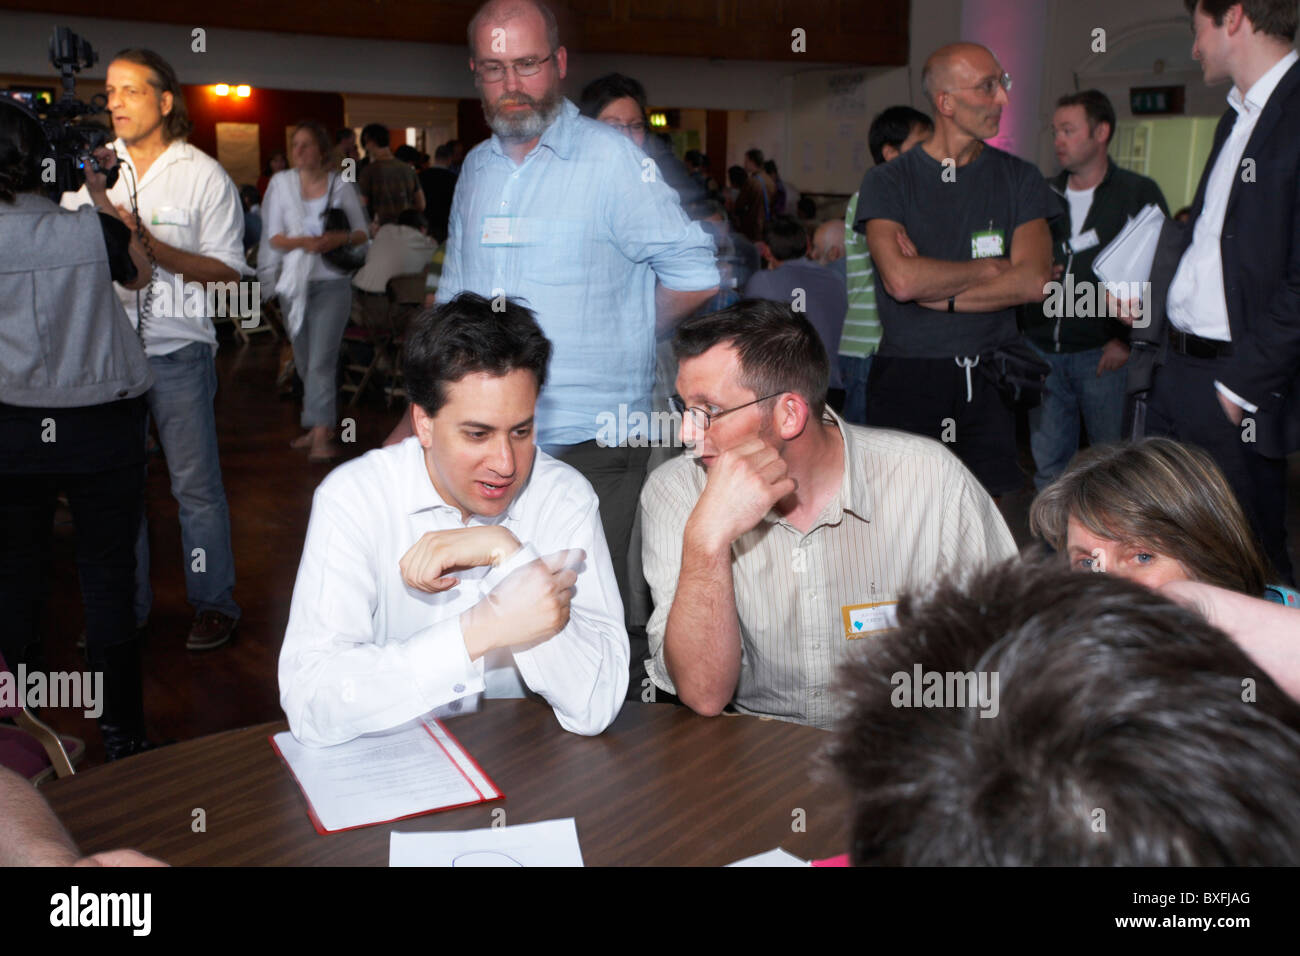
<point x="185" y="384"/>
<point x="1074" y="389"/>
<point x="853" y="377"/>
<point x="316" y="349"/>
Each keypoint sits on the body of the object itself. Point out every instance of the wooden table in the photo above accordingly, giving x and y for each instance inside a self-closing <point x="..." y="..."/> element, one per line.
<point x="662" y="786"/>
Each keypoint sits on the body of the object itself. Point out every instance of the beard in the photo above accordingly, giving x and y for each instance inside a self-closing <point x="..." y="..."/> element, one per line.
<point x="523" y="125"/>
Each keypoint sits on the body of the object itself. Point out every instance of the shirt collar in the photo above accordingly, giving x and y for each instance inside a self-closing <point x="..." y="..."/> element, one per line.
<point x="854" y="495"/>
<point x="559" y="137"/>
<point x="1256" y="97"/>
<point x="177" y="150"/>
<point x="419" y="493"/>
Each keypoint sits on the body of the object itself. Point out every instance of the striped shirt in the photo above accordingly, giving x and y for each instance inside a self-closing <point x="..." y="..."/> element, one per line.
<point x="861" y="324"/>
<point x="907" y="513"/>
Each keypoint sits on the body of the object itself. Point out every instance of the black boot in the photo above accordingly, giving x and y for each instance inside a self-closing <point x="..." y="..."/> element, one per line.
<point x="122" y="721"/>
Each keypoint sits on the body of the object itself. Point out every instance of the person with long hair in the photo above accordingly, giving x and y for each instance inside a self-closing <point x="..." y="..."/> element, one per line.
<point x="317" y="296"/>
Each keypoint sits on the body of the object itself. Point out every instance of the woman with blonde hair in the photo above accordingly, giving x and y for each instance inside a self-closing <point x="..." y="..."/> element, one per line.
<point x="1155" y="511"/>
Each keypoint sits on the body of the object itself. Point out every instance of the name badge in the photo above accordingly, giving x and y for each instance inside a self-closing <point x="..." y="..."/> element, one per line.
<point x="860" y="620"/>
<point x="170" y="216"/>
<point x="988" y="244"/>
<point x="1084" y="241"/>
<point x="499" y="231"/>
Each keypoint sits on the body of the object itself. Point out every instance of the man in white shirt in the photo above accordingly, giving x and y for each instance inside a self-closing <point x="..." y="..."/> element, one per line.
<point x="399" y="248"/>
<point x="462" y="560"/>
<point x="1230" y="378"/>
<point x="185" y="214"/>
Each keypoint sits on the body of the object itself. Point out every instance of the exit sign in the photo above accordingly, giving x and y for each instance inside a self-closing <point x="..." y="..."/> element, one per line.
<point x="1155" y="99"/>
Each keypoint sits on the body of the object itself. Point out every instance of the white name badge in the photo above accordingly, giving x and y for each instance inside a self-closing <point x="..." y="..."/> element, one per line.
<point x="171" y="216"/>
<point x="499" y="231"/>
<point x="1084" y="241"/>
<point x="861" y="620"/>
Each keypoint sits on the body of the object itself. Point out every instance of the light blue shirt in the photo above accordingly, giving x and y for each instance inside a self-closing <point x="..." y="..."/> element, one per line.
<point x="578" y="233"/>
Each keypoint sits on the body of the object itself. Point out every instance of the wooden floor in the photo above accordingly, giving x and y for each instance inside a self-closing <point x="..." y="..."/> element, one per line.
<point x="269" y="487"/>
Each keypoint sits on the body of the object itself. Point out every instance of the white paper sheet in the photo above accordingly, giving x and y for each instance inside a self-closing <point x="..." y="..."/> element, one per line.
<point x="1127" y="258"/>
<point x="551" y="843"/>
<point x="379" y="778"/>
<point x="777" y="857"/>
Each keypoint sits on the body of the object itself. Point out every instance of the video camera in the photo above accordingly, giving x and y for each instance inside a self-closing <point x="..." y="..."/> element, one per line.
<point x="72" y="136"/>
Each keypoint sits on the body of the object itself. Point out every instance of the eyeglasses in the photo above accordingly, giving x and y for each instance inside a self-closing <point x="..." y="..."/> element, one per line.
<point x="989" y="88"/>
<point x="494" y="70"/>
<point x="701" y="418"/>
<point x="629" y="128"/>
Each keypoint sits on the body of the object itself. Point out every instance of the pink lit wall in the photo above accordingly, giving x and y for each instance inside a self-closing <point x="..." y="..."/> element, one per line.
<point x="1016" y="32"/>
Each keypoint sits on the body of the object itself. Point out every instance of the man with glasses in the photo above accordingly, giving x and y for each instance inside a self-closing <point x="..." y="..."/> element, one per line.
<point x="567" y="215"/>
<point x="778" y="546"/>
<point x="958" y="233"/>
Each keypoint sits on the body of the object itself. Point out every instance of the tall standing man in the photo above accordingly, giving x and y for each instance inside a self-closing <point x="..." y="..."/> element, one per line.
<point x="567" y="215"/>
<point x="958" y="234"/>
<point x="1230" y="378"/>
<point x="185" y="213"/>
<point x="1095" y="199"/>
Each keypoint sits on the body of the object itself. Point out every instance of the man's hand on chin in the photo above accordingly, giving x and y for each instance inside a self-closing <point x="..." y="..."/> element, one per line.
<point x="425" y="565"/>
<point x="1230" y="408"/>
<point x="744" y="483"/>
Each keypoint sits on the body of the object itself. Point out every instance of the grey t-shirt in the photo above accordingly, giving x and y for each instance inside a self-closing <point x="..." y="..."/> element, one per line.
<point x="996" y="192"/>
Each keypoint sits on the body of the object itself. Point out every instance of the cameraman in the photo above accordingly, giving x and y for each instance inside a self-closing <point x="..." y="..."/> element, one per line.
<point x="72" y="381"/>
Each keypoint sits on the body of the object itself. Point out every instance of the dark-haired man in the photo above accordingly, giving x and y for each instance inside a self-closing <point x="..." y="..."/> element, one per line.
<point x="462" y="560"/>
<point x="190" y="222"/>
<point x="958" y="236"/>
<point x="793" y="279"/>
<point x="894" y="131"/>
<point x="387" y="185"/>
<point x="1087" y="348"/>
<point x="1228" y="375"/>
<point x="777" y="547"/>
<point x="1093" y="690"/>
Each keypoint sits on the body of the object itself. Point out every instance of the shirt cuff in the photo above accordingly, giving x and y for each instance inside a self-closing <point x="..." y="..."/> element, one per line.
<point x="496" y="575"/>
<point x="1236" y="399"/>
<point x="442" y="669"/>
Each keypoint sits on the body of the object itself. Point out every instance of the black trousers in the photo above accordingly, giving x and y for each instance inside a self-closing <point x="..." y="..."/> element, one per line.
<point x="106" y="516"/>
<point x="1184" y="405"/>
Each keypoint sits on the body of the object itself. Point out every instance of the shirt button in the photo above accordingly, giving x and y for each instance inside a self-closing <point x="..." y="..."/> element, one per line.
<point x="459" y="689"/>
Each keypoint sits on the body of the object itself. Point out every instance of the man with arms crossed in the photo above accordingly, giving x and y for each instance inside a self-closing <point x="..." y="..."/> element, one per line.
<point x="777" y="547"/>
<point x="452" y="563"/>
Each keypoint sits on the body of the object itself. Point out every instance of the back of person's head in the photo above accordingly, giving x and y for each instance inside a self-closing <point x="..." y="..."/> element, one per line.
<point x="769" y="167"/>
<point x="1035" y="717"/>
<point x="23" y="146"/>
<point x="1273" y="18"/>
<point x="892" y="127"/>
<point x="786" y="238"/>
<point x="407" y="154"/>
<point x="443" y="153"/>
<point x="755" y="156"/>
<point x="375" y="134"/>
<point x="1161" y="494"/>
<point x="693" y="159"/>
<point x="248" y="195"/>
<point x="806" y="207"/>
<point x="343" y="135"/>
<point x="779" y="350"/>
<point x="1096" y="106"/>
<point x="176" y="124"/>
<point x="604" y="90"/>
<point x="736" y="176"/>
<point x="469" y="334"/>
<point x="409" y="217"/>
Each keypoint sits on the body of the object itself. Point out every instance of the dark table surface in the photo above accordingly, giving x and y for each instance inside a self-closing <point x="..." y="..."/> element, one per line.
<point x="661" y="786"/>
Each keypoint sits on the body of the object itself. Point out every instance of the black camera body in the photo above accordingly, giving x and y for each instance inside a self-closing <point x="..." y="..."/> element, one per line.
<point x="69" y="130"/>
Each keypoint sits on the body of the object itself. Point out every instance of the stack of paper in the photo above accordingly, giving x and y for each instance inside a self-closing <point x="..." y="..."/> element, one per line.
<point x="1125" y="264"/>
<point x="414" y="769"/>
<point x="552" y="843"/>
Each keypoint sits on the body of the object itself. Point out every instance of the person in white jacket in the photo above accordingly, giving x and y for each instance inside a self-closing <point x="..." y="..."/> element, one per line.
<point x="316" y="296"/>
<point x="461" y="561"/>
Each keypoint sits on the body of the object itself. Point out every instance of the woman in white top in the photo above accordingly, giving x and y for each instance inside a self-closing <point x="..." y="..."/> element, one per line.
<point x="316" y="297"/>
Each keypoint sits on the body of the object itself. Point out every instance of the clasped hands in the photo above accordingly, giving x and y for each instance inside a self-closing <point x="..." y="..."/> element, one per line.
<point x="530" y="605"/>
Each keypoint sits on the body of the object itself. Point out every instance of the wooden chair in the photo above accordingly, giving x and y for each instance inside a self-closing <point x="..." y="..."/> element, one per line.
<point x="379" y="324"/>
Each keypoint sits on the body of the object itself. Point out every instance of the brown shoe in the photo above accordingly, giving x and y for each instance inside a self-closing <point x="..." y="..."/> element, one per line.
<point x="211" y="629"/>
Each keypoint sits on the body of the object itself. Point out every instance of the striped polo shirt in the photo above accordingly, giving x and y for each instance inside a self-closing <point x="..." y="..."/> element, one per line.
<point x="861" y="323"/>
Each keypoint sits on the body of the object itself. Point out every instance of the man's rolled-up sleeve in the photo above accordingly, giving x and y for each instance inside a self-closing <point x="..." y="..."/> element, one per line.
<point x="582" y="671"/>
<point x="221" y="223"/>
<point x="338" y="678"/>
